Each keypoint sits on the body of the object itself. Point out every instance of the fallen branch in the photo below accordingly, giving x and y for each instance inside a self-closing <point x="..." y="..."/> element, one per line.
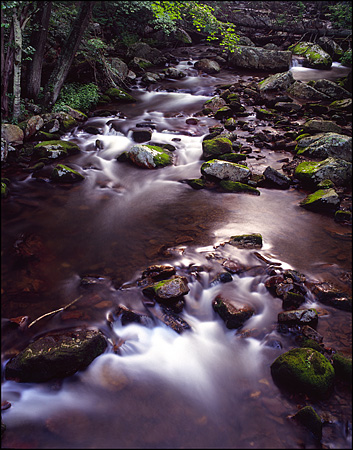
<point x="54" y="312"/>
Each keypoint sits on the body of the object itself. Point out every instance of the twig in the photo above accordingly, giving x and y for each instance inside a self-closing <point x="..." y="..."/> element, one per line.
<point x="54" y="312"/>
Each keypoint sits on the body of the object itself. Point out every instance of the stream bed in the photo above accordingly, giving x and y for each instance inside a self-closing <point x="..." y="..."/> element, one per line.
<point x="210" y="387"/>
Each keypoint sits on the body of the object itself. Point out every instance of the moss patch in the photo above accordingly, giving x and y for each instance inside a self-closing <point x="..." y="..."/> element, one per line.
<point x="235" y="186"/>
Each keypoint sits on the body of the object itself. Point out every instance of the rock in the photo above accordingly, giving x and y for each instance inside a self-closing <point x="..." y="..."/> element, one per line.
<point x="64" y="174"/>
<point x="149" y="156"/>
<point x="55" y="149"/>
<point x="342" y="216"/>
<point x="292" y="300"/>
<point x="56" y="355"/>
<point x="298" y="317"/>
<point x="127" y="316"/>
<point x="196" y="183"/>
<point x="34" y="124"/>
<point x="330" y="47"/>
<point x="260" y="58"/>
<point x="324" y="145"/>
<point x="322" y="200"/>
<point x="120" y="67"/>
<point x="172" y="72"/>
<point x="309" y="333"/>
<point x="233" y="317"/>
<point x="219" y="145"/>
<point x="246" y="240"/>
<point x="214" y="103"/>
<point x="276" y="82"/>
<point x="316" y="57"/>
<point x="150" y="77"/>
<point x="224" y="170"/>
<point x="4" y="190"/>
<point x="233" y="157"/>
<point x="171" y="288"/>
<point x="309" y="418"/>
<point x="159" y="272"/>
<point x="303" y="90"/>
<point x="275" y="179"/>
<point x="304" y="370"/>
<point x="181" y="35"/>
<point x="223" y="113"/>
<point x="143" y="50"/>
<point x="141" y="134"/>
<point x="343" y="367"/>
<point x="139" y="65"/>
<point x="311" y="173"/>
<point x="117" y="95"/>
<point x="331" y="89"/>
<point x="234" y="186"/>
<point x="170" y="318"/>
<point x="207" y="66"/>
<point x="12" y="134"/>
<point x="330" y="295"/>
<point x="287" y="107"/>
<point x="344" y="105"/>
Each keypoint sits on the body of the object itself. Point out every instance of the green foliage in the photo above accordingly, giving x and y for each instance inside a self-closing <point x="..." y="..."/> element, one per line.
<point x="77" y="96"/>
<point x="346" y="58"/>
<point x="341" y="14"/>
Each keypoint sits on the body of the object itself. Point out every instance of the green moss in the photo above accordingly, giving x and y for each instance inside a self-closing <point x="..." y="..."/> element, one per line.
<point x="316" y="196"/>
<point x="43" y="136"/>
<point x="310" y="343"/>
<point x="196" y="183"/>
<point x="119" y="94"/>
<point x="301" y="136"/>
<point x="68" y="123"/>
<point x="232" y="157"/>
<point x="343" y="216"/>
<point x="65" y="174"/>
<point x="164" y="158"/>
<point x="325" y="184"/>
<point x="4" y="190"/>
<point x="308" y="417"/>
<point x="234" y="186"/>
<point x="304" y="370"/>
<point x="55" y="149"/>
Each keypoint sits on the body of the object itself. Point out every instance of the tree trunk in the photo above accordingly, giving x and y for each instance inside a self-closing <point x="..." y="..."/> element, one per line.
<point x="17" y="66"/>
<point x="58" y="76"/>
<point x="38" y="40"/>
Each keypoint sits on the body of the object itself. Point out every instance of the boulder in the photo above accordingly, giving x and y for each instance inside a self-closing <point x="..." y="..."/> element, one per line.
<point x="214" y="104"/>
<point x="343" y="367"/>
<point x="331" y="47"/>
<point x="310" y="419"/>
<point x="331" y="89"/>
<point x="276" y="82"/>
<point x="172" y="72"/>
<point x="304" y="370"/>
<point x="55" y="149"/>
<point x="34" y="124"/>
<point x="64" y="174"/>
<point x="330" y="295"/>
<point x="322" y="200"/>
<point x="303" y="90"/>
<point x="143" y="50"/>
<point x="316" y="57"/>
<point x="12" y="134"/>
<point x="56" y="355"/>
<point x="225" y="170"/>
<point x="260" y="58"/>
<point x="181" y="35"/>
<point x="117" y="95"/>
<point x="311" y="173"/>
<point x="149" y="156"/>
<point x="324" y="145"/>
<point x="120" y="67"/>
<point x="321" y="126"/>
<point x="344" y="105"/>
<point x="207" y="66"/>
<point x="234" y="186"/>
<point x="253" y="240"/>
<point x="298" y="317"/>
<point x="141" y="134"/>
<point x="219" y="145"/>
<point x="275" y="179"/>
<point x="232" y="316"/>
<point x="172" y="288"/>
<point x="128" y="316"/>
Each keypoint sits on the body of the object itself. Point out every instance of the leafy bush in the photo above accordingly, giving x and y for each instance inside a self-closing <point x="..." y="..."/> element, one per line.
<point x="77" y="96"/>
<point x="346" y="58"/>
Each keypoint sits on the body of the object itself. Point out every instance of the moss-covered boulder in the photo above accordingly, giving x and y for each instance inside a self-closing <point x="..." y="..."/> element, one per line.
<point x="234" y="186"/>
<point x="321" y="126"/>
<point x="223" y="113"/>
<point x="259" y="58"/>
<point x="172" y="288"/>
<point x="4" y="189"/>
<point x="344" y="105"/>
<point x="149" y="156"/>
<point x="310" y="419"/>
<point x="225" y="170"/>
<point x="322" y="200"/>
<point x="233" y="157"/>
<point x="55" y="149"/>
<point x="316" y="57"/>
<point x="331" y="89"/>
<point x="196" y="183"/>
<point x="56" y="355"/>
<point x="214" y="103"/>
<point x="253" y="240"/>
<point x="219" y="145"/>
<point x="302" y="90"/>
<point x="311" y="173"/>
<point x="276" y="82"/>
<point x="118" y="95"/>
<point x="64" y="174"/>
<point x="304" y="370"/>
<point x="324" y="145"/>
<point x="232" y="316"/>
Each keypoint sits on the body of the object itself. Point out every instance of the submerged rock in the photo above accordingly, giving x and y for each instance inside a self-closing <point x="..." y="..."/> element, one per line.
<point x="171" y="288"/>
<point x="309" y="418"/>
<point x="64" y="174"/>
<point x="298" y="317"/>
<point x="232" y="316"/>
<point x="234" y="186"/>
<point x="304" y="370"/>
<point x="56" y="355"/>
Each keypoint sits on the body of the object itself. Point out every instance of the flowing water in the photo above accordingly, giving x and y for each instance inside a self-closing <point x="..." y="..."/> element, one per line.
<point x="207" y="388"/>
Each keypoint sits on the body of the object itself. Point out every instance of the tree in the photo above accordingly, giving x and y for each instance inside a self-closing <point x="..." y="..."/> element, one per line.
<point x="63" y="64"/>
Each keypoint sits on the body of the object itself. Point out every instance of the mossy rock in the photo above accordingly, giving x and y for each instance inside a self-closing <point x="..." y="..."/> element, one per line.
<point x="149" y="156"/>
<point x="235" y="186"/>
<point x="55" y="149"/>
<point x="216" y="146"/>
<point x="119" y="95"/>
<point x="4" y="190"/>
<point x="343" y="216"/>
<point x="322" y="200"/>
<point x="196" y="183"/>
<point x="310" y="419"/>
<point x="44" y="136"/>
<point x="169" y="289"/>
<point x="253" y="240"/>
<point x="343" y="367"/>
<point x="64" y="174"/>
<point x="232" y="157"/>
<point x="304" y="370"/>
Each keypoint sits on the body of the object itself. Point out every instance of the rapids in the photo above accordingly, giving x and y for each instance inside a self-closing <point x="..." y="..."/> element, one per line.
<point x="209" y="387"/>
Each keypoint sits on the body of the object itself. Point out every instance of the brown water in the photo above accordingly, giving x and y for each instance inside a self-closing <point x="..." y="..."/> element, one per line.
<point x="208" y="388"/>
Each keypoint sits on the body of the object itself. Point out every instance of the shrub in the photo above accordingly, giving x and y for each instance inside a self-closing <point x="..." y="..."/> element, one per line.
<point x="77" y="96"/>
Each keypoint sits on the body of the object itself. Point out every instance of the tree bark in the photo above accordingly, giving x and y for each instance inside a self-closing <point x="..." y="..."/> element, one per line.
<point x="58" y="76"/>
<point x="37" y="41"/>
<point x="17" y="66"/>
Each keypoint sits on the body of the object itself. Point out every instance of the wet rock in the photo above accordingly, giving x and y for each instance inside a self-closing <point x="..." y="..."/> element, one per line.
<point x="330" y="295"/>
<point x="118" y="94"/>
<point x="64" y="174"/>
<point x="141" y="134"/>
<point x="232" y="316"/>
<point x="288" y="107"/>
<point x="223" y="113"/>
<point x="225" y="170"/>
<point x="311" y="333"/>
<point x="316" y="57"/>
<point x="233" y="157"/>
<point x="214" y="104"/>
<point x="298" y="317"/>
<point x="311" y="173"/>
<point x="56" y="355"/>
<point x="322" y="200"/>
<point x="196" y="183"/>
<point x="55" y="149"/>
<point x="292" y="300"/>
<point x="246" y="240"/>
<point x="12" y="134"/>
<point x="170" y="318"/>
<point x="303" y="90"/>
<point x="172" y="72"/>
<point x="321" y="126"/>
<point x="260" y="58"/>
<point x="219" y="145"/>
<point x="127" y="316"/>
<point x="223" y="277"/>
<point x="276" y="82"/>
<point x="309" y="418"/>
<point x="275" y="179"/>
<point x="331" y="89"/>
<point x="234" y="186"/>
<point x="331" y="47"/>
<point x="304" y="370"/>
<point x="342" y="216"/>
<point x="159" y="272"/>
<point x="207" y="66"/>
<point x="143" y="50"/>
<point x="233" y="266"/>
<point x="149" y="156"/>
<point x="344" y="105"/>
<point x="324" y="145"/>
<point x="343" y="367"/>
<point x="172" y="288"/>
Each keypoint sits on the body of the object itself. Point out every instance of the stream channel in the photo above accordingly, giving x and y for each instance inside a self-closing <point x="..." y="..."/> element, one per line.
<point x="210" y="387"/>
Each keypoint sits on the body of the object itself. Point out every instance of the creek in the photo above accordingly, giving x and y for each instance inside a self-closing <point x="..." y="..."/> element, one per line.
<point x="207" y="388"/>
